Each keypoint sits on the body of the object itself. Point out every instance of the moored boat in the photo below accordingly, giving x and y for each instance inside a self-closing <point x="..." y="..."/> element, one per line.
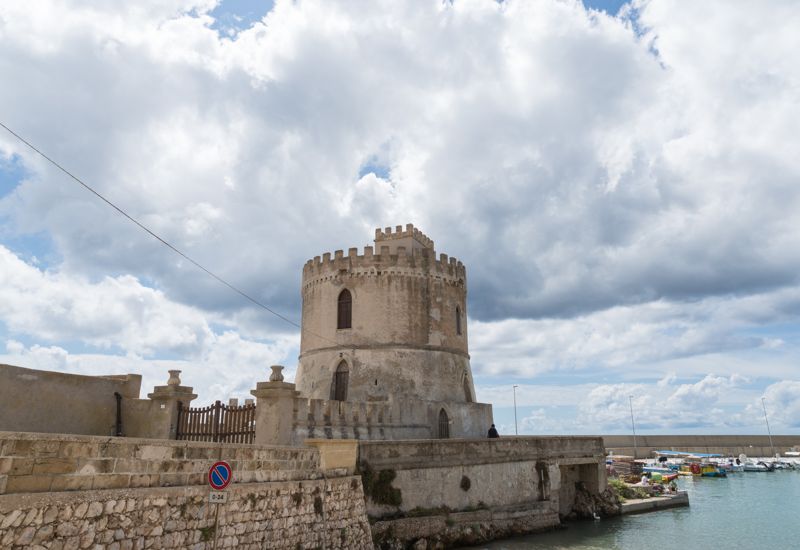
<point x="752" y="466"/>
<point x="695" y="464"/>
<point x="701" y="469"/>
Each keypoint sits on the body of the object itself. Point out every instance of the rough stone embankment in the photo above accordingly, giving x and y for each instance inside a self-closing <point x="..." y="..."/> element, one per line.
<point x="309" y="514"/>
<point x="447" y="530"/>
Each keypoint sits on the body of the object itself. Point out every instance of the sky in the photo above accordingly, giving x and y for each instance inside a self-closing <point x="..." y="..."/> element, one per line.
<point x="620" y="180"/>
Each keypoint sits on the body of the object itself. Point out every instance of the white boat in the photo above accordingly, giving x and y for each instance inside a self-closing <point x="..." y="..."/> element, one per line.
<point x="751" y="466"/>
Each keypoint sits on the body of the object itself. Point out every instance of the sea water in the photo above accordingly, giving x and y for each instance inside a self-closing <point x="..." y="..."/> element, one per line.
<point x="747" y="510"/>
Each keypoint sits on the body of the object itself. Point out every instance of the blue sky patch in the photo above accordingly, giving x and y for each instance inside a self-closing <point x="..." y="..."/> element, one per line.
<point x="232" y="16"/>
<point x="12" y="172"/>
<point x="374" y="166"/>
<point x="609" y="6"/>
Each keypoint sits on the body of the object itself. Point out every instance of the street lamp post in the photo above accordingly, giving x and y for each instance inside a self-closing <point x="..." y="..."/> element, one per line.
<point x="516" y="431"/>
<point x="633" y="427"/>
<point x="769" y="433"/>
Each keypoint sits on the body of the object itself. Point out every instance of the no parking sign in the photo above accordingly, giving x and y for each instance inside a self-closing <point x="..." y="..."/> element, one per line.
<point x="220" y="475"/>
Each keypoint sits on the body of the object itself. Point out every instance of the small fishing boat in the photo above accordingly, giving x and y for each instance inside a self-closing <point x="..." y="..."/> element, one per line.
<point x="657" y="477"/>
<point x="658" y="470"/>
<point x="751" y="466"/>
<point x="731" y="465"/>
<point x="695" y="464"/>
<point x="701" y="469"/>
<point x="734" y="468"/>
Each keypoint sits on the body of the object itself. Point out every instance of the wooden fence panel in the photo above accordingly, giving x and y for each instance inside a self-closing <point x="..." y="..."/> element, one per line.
<point x="217" y="423"/>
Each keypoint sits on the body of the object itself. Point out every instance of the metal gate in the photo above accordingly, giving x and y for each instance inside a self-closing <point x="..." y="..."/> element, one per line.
<point x="218" y="423"/>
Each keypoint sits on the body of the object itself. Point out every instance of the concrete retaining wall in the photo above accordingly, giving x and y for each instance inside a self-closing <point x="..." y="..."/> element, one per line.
<point x="55" y="402"/>
<point x="497" y="472"/>
<point x="751" y="445"/>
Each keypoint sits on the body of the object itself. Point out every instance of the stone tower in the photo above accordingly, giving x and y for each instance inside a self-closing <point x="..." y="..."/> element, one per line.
<point x="390" y="324"/>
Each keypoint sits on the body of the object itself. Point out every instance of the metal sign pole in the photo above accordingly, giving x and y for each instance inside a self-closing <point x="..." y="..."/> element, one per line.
<point x="633" y="427"/>
<point x="764" y="406"/>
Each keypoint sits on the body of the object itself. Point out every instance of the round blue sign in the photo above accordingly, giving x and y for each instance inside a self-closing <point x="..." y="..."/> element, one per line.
<point x="220" y="475"/>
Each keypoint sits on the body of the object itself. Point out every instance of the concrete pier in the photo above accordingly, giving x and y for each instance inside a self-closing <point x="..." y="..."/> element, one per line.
<point x="641" y="505"/>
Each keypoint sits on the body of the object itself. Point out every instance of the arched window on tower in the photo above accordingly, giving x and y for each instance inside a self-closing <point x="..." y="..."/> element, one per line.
<point x="458" y="320"/>
<point x="444" y="425"/>
<point x="344" y="312"/>
<point x="340" y="379"/>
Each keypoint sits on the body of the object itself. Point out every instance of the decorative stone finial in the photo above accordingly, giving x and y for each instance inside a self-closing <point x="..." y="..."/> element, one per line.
<point x="174" y="378"/>
<point x="277" y="375"/>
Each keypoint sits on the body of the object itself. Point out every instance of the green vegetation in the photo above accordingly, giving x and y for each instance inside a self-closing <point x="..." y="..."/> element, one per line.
<point x="378" y="486"/>
<point x="207" y="533"/>
<point x="625" y="491"/>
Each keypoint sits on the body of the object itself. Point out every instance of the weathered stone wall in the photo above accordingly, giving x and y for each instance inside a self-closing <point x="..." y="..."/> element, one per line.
<point x="751" y="445"/>
<point x="55" y="402"/>
<point x="475" y="473"/>
<point x="405" y="338"/>
<point x="31" y="462"/>
<point x="395" y="419"/>
<point x="322" y="513"/>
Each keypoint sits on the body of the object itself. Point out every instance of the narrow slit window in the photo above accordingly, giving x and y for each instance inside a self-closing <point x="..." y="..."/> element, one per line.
<point x="344" y="317"/>
<point x="444" y="425"/>
<point x="458" y="320"/>
<point x="340" y="380"/>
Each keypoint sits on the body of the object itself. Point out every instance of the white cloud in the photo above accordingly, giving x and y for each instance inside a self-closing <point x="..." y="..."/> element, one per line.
<point x="120" y="314"/>
<point x="782" y="401"/>
<point x="623" y="202"/>
<point x="228" y="367"/>
<point x="530" y="132"/>
<point x="113" y="312"/>
<point x="540" y="421"/>
<point x="643" y="340"/>
<point x="662" y="406"/>
<point x="44" y="358"/>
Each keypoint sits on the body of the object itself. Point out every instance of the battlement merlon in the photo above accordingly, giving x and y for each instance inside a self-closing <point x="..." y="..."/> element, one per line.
<point x="417" y="259"/>
<point x="410" y="238"/>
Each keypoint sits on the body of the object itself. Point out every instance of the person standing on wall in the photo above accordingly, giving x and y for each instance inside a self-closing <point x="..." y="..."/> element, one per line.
<point x="493" y="432"/>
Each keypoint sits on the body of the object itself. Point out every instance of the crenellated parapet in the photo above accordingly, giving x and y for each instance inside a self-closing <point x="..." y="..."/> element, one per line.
<point x="410" y="232"/>
<point x="415" y="262"/>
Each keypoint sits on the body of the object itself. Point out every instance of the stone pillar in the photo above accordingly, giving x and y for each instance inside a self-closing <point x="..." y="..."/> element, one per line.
<point x="164" y="408"/>
<point x="275" y="405"/>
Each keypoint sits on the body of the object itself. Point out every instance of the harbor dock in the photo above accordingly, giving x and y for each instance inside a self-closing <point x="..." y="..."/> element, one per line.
<point x="641" y="505"/>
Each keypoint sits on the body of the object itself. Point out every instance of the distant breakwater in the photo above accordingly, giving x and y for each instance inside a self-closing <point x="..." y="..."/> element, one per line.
<point x="751" y="445"/>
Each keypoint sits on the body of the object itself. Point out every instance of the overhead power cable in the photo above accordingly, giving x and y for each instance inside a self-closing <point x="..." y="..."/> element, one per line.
<point x="160" y="239"/>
